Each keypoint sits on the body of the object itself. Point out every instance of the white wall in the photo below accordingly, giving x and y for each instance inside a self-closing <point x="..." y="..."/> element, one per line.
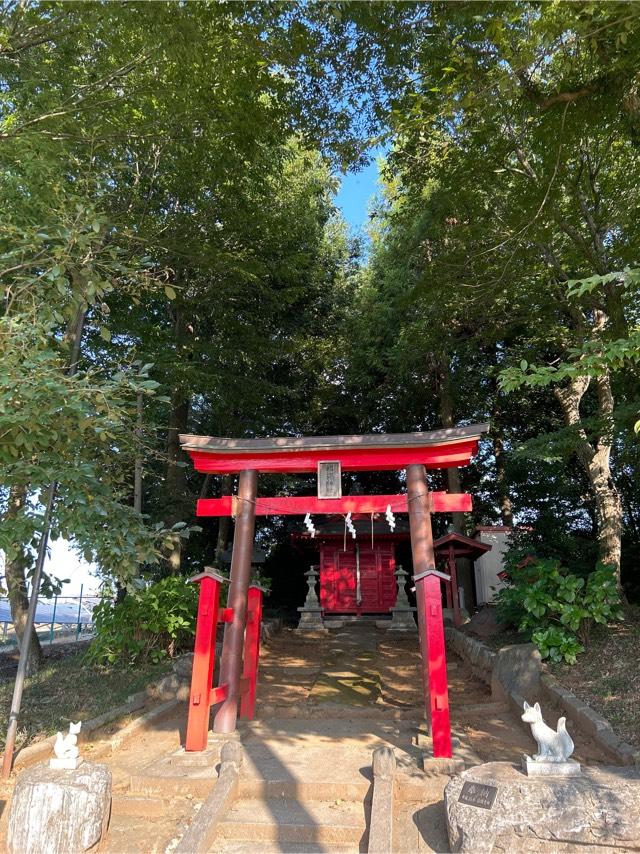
<point x="488" y="565"/>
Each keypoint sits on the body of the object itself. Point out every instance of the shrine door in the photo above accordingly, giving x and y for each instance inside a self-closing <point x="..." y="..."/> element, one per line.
<point x="360" y="582"/>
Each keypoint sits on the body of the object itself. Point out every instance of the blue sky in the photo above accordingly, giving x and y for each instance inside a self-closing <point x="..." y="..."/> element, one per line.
<point x="355" y="192"/>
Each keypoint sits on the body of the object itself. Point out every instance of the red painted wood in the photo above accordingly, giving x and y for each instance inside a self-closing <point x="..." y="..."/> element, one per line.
<point x="218" y="695"/>
<point x="435" y="664"/>
<point x="445" y="455"/>
<point x="447" y="590"/>
<point x="251" y="652"/>
<point x="443" y="502"/>
<point x="338" y="579"/>
<point x="203" y="660"/>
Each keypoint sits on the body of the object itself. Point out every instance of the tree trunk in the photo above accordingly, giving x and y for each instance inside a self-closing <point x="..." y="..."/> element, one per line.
<point x="137" y="466"/>
<point x="596" y="461"/>
<point x="609" y="512"/>
<point x="506" y="510"/>
<point x="175" y="483"/>
<point x="497" y="435"/>
<point x="15" y="575"/>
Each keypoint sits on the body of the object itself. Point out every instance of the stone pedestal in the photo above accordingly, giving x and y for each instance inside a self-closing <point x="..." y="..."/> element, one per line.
<point x="311" y="612"/>
<point x="402" y="613"/>
<point x="65" y="763"/>
<point x="531" y="768"/>
<point x="496" y="807"/>
<point x="59" y="812"/>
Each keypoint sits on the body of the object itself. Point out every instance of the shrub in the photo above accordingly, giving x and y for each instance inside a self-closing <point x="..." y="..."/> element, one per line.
<point x="556" y="609"/>
<point x="151" y="624"/>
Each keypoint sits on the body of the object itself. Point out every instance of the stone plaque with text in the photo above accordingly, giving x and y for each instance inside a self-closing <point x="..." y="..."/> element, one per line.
<point x="478" y="795"/>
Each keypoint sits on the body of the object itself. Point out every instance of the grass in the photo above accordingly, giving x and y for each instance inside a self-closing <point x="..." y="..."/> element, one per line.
<point x="607" y="675"/>
<point x="66" y="688"/>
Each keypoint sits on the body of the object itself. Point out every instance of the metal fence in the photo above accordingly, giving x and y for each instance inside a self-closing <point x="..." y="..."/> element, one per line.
<point x="62" y="611"/>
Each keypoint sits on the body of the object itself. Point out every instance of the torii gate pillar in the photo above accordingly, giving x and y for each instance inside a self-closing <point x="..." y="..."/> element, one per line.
<point x="233" y="643"/>
<point x="429" y="604"/>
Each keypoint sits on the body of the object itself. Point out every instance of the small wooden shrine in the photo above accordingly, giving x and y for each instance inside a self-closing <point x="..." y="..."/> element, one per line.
<point x="451" y="547"/>
<point x="356" y="575"/>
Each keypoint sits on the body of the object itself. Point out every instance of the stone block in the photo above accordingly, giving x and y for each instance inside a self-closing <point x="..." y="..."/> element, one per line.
<point x="381" y="820"/>
<point x="516" y="669"/>
<point x="591" y="721"/>
<point x="496" y="807"/>
<point x="170" y="687"/>
<point x="610" y="741"/>
<point x="58" y="811"/>
<point x="183" y="665"/>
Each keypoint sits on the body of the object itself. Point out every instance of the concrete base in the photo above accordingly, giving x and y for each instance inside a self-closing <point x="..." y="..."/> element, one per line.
<point x="65" y="763"/>
<point x="533" y="768"/>
<point x="311" y="620"/>
<point x="463" y="756"/>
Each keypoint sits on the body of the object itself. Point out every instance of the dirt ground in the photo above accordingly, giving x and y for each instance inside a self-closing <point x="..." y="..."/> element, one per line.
<point x="55" y="652"/>
<point x="607" y="675"/>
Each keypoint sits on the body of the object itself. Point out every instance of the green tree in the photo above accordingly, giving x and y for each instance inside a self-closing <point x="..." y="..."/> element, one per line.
<point x="517" y="140"/>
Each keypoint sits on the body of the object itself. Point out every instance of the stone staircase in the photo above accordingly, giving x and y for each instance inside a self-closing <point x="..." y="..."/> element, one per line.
<point x="293" y="824"/>
<point x="267" y="815"/>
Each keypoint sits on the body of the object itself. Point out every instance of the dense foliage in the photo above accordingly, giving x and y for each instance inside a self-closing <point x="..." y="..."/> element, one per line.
<point x="502" y="283"/>
<point x="557" y="609"/>
<point x="151" y="624"/>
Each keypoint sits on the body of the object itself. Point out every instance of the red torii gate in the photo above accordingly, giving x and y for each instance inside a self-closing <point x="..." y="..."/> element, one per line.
<point x="414" y="452"/>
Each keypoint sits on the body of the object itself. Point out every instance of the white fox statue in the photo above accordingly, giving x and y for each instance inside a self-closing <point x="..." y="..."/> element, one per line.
<point x="553" y="745"/>
<point x="66" y="746"/>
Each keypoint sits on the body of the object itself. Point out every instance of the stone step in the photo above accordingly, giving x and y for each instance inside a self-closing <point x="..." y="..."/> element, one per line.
<point x="304" y="791"/>
<point x="238" y="846"/>
<point x="285" y="820"/>
<point x="406" y="789"/>
<point x="149" y="786"/>
<point x="122" y="805"/>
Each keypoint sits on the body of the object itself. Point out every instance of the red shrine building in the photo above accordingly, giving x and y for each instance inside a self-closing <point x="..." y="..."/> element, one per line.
<point x="236" y="673"/>
<point x="356" y="575"/>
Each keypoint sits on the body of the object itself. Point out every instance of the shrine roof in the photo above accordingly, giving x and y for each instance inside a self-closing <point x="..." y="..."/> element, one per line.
<point x="330" y="443"/>
<point x="461" y="544"/>
<point x="452" y="446"/>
